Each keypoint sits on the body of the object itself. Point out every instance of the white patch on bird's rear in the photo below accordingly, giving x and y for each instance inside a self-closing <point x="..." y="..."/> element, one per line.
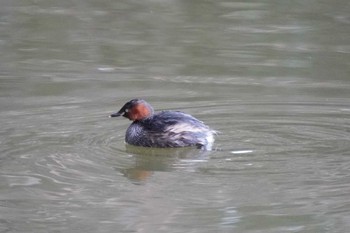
<point x="179" y="131"/>
<point x="210" y="138"/>
<point x="183" y="127"/>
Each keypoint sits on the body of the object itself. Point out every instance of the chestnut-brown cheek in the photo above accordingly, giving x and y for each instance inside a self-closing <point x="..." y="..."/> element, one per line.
<point x="134" y="114"/>
<point x="139" y="112"/>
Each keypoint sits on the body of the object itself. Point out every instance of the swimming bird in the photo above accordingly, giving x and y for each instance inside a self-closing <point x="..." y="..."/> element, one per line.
<point x="165" y="128"/>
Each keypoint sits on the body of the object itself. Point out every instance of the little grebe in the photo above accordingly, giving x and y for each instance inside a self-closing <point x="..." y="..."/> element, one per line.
<point x="165" y="128"/>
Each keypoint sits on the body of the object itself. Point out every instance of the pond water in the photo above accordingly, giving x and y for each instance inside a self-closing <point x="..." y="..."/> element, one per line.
<point x="271" y="76"/>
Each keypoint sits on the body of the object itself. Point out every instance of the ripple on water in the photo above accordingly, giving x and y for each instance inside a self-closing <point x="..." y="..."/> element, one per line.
<point x="21" y="180"/>
<point x="308" y="128"/>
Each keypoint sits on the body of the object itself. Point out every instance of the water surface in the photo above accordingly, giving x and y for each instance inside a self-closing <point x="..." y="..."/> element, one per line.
<point x="271" y="77"/>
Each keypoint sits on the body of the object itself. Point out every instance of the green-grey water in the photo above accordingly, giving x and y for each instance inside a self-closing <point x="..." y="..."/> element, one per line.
<point x="271" y="76"/>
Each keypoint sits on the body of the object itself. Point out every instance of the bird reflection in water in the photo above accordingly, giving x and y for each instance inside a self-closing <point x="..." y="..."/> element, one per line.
<point x="150" y="160"/>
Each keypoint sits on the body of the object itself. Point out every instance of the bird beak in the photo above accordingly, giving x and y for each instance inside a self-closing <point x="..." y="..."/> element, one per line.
<point x="116" y="114"/>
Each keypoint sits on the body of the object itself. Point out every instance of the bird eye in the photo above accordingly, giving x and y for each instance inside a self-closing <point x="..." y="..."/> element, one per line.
<point x="126" y="110"/>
